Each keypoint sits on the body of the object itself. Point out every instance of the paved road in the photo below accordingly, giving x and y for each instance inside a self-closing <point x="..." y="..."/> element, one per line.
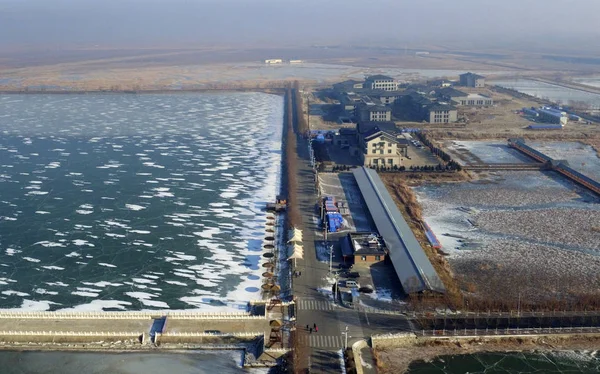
<point x="316" y="307"/>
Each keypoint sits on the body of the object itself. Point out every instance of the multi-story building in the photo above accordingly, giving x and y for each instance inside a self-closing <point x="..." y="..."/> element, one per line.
<point x="374" y="113"/>
<point x="380" y="148"/>
<point x="440" y="113"/>
<point x="472" y="80"/>
<point x="474" y="100"/>
<point x="381" y="82"/>
<point x="464" y="99"/>
<point x="386" y="97"/>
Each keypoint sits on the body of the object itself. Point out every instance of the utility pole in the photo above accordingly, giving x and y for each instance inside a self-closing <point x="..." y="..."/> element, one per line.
<point x="330" y="257"/>
<point x="345" y="333"/>
<point x="337" y="280"/>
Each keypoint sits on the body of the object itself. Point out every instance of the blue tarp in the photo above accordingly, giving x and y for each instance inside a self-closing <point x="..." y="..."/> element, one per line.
<point x="158" y="324"/>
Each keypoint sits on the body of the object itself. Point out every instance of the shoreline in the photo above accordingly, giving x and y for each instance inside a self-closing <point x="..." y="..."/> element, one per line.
<point x="272" y="90"/>
<point x="399" y="359"/>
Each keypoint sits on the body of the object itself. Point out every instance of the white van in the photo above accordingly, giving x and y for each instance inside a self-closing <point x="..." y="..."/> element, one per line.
<point x="351" y="284"/>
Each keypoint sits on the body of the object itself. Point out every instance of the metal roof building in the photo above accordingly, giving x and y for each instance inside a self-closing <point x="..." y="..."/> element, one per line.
<point x="410" y="261"/>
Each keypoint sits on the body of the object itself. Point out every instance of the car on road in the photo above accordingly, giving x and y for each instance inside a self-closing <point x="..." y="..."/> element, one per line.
<point x="345" y="266"/>
<point x="351" y="284"/>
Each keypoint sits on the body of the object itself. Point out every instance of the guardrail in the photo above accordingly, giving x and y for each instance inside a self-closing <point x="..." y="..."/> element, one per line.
<point x="498" y="314"/>
<point x="210" y="334"/>
<point x="127" y="315"/>
<point x="380" y="311"/>
<point x="511" y="331"/>
<point x="69" y="333"/>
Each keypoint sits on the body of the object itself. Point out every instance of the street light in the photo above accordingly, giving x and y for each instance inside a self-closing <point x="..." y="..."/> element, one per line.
<point x="345" y="333"/>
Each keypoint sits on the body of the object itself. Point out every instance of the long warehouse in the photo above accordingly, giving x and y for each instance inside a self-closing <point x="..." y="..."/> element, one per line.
<point x="410" y="261"/>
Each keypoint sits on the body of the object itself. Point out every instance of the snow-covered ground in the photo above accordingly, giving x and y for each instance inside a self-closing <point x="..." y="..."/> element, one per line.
<point x="532" y="226"/>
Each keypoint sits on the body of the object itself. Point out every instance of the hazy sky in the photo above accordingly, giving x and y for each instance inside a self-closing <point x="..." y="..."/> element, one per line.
<point x="64" y="23"/>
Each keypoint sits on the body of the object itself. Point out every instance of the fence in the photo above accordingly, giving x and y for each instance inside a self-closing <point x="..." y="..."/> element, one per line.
<point x="500" y="314"/>
<point x="211" y="334"/>
<point x="511" y="332"/>
<point x="70" y="333"/>
<point x="127" y="315"/>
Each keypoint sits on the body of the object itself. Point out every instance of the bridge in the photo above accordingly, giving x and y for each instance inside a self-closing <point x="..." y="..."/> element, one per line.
<point x="560" y="166"/>
<point x="138" y="330"/>
<point x="515" y="166"/>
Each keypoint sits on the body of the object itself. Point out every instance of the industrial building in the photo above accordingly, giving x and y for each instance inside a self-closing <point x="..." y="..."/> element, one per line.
<point x="472" y="80"/>
<point x="551" y="115"/>
<point x="363" y="247"/>
<point x="415" y="271"/>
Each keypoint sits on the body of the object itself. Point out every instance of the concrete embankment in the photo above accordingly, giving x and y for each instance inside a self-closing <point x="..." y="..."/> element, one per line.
<point x="180" y="327"/>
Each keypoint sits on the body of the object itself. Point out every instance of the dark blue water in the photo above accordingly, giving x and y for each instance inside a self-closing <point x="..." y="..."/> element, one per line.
<point x="511" y="363"/>
<point x="135" y="201"/>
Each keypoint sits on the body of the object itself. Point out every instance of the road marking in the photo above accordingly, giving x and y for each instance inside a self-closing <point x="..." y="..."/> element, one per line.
<point x="316" y="340"/>
<point x="312" y="304"/>
<point x="324" y="341"/>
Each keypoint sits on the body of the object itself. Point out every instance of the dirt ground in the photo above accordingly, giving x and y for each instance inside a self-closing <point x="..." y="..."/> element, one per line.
<point x="397" y="360"/>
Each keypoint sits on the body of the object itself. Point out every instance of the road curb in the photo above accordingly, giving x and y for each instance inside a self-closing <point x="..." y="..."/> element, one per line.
<point x="356" y="347"/>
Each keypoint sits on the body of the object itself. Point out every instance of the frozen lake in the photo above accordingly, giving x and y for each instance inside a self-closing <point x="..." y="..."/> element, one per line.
<point x="135" y="201"/>
<point x="557" y="94"/>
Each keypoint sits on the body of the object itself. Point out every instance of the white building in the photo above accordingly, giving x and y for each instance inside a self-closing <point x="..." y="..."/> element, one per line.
<point x="274" y="61"/>
<point x="381" y="82"/>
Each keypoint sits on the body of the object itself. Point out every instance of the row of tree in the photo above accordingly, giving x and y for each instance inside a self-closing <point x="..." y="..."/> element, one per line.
<point x="450" y="163"/>
<point x="302" y="124"/>
<point x="291" y="167"/>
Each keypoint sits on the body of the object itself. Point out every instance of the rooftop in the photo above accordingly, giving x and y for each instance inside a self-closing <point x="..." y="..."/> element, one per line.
<point x="475" y="76"/>
<point x="410" y="261"/>
<point x="440" y="106"/>
<point x="379" y="77"/>
<point x="389" y="127"/>
<point x="451" y="92"/>
<point x="366" y="243"/>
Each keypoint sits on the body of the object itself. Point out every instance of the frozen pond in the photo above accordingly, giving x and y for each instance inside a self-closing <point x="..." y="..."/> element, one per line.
<point x="581" y="157"/>
<point x="477" y="152"/>
<point x="135" y="201"/>
<point x="557" y="94"/>
<point x="533" y="227"/>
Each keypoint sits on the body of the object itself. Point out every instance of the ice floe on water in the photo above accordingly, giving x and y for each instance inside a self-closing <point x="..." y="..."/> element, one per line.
<point x="154" y="198"/>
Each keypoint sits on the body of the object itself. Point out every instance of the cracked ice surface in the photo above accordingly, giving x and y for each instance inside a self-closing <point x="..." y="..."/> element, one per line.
<point x="157" y="199"/>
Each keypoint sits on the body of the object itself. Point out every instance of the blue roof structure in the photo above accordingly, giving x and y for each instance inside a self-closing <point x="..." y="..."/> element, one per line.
<point x="410" y="261"/>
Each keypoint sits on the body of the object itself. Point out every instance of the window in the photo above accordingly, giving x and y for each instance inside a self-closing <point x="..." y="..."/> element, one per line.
<point x="377" y="258"/>
<point x="391" y="161"/>
<point x="363" y="258"/>
<point x="389" y="144"/>
<point x="374" y="151"/>
<point x="389" y="151"/>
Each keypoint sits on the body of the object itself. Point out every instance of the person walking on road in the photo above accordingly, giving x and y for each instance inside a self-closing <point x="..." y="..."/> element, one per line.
<point x="316" y="328"/>
<point x="310" y="330"/>
<point x="307" y="327"/>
